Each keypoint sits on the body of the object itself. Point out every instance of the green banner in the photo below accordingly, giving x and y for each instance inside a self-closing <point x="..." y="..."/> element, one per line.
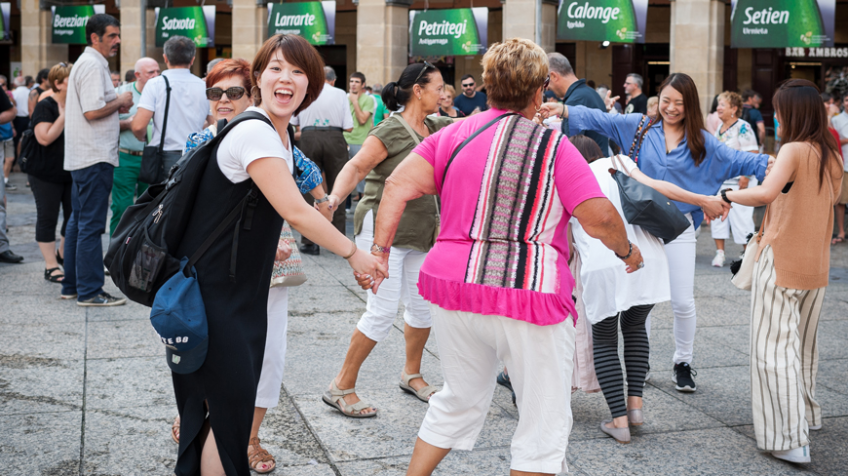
<point x="195" y="23"/>
<point x="456" y="31"/>
<point x="69" y="23"/>
<point x="782" y="23"/>
<point x="315" y="21"/>
<point x="619" y="21"/>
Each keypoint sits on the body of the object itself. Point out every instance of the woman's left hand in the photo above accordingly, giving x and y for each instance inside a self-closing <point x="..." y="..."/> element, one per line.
<point x="284" y="251"/>
<point x="715" y="207"/>
<point x="325" y="210"/>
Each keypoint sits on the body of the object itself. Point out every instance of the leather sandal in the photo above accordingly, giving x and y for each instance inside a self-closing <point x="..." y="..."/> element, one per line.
<point x="635" y="417"/>
<point x="258" y="456"/>
<point x="621" y="435"/>
<point x="175" y="430"/>
<point x="423" y="394"/>
<point x="335" y="398"/>
<point x="53" y="278"/>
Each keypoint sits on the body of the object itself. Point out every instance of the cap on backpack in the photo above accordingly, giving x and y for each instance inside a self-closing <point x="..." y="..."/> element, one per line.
<point x="179" y="317"/>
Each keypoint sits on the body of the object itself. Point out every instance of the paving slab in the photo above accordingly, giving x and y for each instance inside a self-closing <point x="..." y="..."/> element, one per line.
<point x="123" y="338"/>
<point x="57" y="340"/>
<point x="44" y="308"/>
<point x="40" y="385"/>
<point x="131" y="382"/>
<point x="41" y="444"/>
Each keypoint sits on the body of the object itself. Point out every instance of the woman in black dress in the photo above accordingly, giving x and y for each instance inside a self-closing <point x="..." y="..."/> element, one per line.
<point x="216" y="402"/>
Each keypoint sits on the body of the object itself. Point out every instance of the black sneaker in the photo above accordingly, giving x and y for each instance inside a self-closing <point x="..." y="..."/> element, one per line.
<point x="11" y="187"/>
<point x="312" y="249"/>
<point x="103" y="300"/>
<point x="503" y="379"/>
<point x="682" y="376"/>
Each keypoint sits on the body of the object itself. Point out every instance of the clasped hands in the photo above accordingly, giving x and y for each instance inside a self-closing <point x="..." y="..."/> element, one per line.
<point x="373" y="280"/>
<point x="714" y="208"/>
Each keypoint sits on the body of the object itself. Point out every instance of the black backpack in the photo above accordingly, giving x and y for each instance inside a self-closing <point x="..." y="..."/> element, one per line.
<point x="29" y="145"/>
<point x="141" y="257"/>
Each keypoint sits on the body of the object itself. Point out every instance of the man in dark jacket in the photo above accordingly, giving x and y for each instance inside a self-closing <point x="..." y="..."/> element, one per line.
<point x="564" y="83"/>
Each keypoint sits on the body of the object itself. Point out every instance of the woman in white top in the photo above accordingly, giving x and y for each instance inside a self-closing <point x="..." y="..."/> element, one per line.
<point x="737" y="134"/>
<point x="610" y="295"/>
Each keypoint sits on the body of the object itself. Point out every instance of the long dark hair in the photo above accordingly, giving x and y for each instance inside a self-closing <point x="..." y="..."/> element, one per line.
<point x="804" y="119"/>
<point x="693" y="121"/>
<point x="398" y="93"/>
<point x="587" y="147"/>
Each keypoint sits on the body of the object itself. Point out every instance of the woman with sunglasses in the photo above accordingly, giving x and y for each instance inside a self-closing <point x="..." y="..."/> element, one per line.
<point x="229" y="95"/>
<point x="419" y="91"/>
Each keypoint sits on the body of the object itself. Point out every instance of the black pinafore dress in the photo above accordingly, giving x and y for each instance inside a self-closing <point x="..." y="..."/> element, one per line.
<point x="236" y="309"/>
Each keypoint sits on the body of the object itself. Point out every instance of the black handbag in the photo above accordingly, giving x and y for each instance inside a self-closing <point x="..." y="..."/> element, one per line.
<point x="647" y="208"/>
<point x="153" y="157"/>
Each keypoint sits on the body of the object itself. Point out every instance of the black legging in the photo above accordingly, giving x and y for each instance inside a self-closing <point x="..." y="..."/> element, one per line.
<point x="636" y="353"/>
<point x="48" y="197"/>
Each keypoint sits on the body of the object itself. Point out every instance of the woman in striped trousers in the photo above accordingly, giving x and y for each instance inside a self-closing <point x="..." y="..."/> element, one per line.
<point x="791" y="272"/>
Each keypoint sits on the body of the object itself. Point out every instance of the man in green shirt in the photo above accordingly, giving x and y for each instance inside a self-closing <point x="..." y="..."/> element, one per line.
<point x="382" y="111"/>
<point x="361" y="109"/>
<point x="125" y="184"/>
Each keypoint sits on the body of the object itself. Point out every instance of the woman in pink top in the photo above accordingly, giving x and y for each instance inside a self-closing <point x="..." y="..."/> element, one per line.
<point x="497" y="279"/>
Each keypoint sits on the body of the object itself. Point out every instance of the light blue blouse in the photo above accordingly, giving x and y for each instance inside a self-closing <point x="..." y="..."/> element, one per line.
<point x="678" y="166"/>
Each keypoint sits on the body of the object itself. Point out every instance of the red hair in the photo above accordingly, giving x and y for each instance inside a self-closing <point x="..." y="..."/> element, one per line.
<point x="230" y="67"/>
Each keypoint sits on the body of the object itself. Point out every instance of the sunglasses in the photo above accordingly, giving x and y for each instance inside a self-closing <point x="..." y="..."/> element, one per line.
<point x="468" y="85"/>
<point x="425" y="68"/>
<point x="233" y="93"/>
<point x="546" y="83"/>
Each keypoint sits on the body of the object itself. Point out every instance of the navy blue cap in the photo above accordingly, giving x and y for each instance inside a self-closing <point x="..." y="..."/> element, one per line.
<point x="179" y="317"/>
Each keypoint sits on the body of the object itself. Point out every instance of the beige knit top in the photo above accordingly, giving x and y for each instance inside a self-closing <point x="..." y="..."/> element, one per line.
<point x="799" y="225"/>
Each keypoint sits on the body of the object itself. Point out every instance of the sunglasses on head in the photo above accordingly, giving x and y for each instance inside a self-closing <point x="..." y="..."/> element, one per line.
<point x="421" y="73"/>
<point x="233" y="93"/>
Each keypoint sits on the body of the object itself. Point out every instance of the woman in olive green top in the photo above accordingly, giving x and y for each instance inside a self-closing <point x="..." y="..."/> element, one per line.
<point x="418" y="90"/>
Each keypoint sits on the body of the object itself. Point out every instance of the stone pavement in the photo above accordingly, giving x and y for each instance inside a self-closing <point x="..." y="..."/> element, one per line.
<point x="87" y="391"/>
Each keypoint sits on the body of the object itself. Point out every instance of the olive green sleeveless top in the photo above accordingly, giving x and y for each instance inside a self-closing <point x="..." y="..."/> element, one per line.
<point x="420" y="218"/>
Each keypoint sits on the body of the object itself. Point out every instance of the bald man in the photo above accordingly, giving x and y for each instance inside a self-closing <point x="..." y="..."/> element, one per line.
<point x="125" y="184"/>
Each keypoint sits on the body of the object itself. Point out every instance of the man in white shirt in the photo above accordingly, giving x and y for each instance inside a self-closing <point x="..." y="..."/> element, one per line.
<point x="91" y="155"/>
<point x="840" y="123"/>
<point x="21" y="96"/>
<point x="188" y="111"/>
<point x="321" y="139"/>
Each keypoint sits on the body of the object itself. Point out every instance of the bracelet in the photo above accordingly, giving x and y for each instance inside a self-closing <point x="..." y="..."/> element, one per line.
<point x="630" y="252"/>
<point x="380" y="249"/>
<point x="322" y="200"/>
<point x="724" y="195"/>
<point x="352" y="251"/>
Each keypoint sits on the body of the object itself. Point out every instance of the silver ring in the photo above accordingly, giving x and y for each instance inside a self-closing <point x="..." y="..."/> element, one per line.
<point x="641" y="265"/>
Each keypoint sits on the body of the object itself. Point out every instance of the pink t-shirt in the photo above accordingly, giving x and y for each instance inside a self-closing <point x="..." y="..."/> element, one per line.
<point x="506" y="202"/>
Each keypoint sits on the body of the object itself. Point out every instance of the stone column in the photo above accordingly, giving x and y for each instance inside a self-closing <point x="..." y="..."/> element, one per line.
<point x="152" y="50"/>
<point x="382" y="39"/>
<point x="520" y="21"/>
<point x="131" y="25"/>
<point x="697" y="45"/>
<point x="250" y="28"/>
<point x="37" y="48"/>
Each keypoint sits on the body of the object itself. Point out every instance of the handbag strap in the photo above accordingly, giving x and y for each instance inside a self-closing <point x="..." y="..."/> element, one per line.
<point x="636" y="145"/>
<point x="167" y="107"/>
<point x="470" y="138"/>
<point x="415" y="139"/>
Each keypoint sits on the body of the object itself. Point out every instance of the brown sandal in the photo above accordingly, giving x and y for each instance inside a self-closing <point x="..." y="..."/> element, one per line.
<point x="259" y="456"/>
<point x="175" y="430"/>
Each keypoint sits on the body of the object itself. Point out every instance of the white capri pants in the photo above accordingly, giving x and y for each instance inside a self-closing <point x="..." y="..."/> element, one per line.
<point x="681" y="273"/>
<point x="402" y="286"/>
<point x="271" y="378"/>
<point x="540" y="363"/>
<point x="740" y="220"/>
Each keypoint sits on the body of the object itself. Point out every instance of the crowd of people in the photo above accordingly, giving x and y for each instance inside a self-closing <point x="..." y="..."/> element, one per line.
<point x="491" y="215"/>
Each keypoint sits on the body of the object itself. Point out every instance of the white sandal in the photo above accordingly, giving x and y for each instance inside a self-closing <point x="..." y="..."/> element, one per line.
<point x="335" y="398"/>
<point x="423" y="394"/>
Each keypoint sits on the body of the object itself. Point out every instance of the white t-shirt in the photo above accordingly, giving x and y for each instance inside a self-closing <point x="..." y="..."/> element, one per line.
<point x="607" y="288"/>
<point x="21" y="95"/>
<point x="188" y="110"/>
<point x="331" y="109"/>
<point x="249" y="141"/>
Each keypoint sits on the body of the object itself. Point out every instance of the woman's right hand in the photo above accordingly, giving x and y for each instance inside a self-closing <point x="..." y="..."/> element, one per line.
<point x="715" y="207"/>
<point x="333" y="202"/>
<point x="364" y="262"/>
<point x="635" y="261"/>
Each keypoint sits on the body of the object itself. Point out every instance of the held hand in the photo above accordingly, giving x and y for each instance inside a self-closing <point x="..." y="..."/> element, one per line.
<point x="364" y="263"/>
<point x="635" y="262"/>
<point x="325" y="210"/>
<point x="610" y="101"/>
<point x="771" y="161"/>
<point x="550" y="109"/>
<point x="379" y="276"/>
<point x="333" y="202"/>
<point x="714" y="207"/>
<point x="284" y="251"/>
<point x="365" y="281"/>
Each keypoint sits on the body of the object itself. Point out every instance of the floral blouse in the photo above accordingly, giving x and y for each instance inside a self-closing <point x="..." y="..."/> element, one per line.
<point x="739" y="136"/>
<point x="308" y="174"/>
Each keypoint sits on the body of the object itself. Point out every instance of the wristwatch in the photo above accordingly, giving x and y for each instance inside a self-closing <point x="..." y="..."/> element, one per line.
<point x="379" y="249"/>
<point x="322" y="200"/>
<point x="724" y="195"/>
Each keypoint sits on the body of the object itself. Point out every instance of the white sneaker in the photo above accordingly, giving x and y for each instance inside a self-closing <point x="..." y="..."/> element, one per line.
<point x="718" y="261"/>
<point x="798" y="455"/>
<point x="816" y="427"/>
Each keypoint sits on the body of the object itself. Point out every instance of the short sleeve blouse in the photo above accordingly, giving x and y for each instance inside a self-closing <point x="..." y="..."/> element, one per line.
<point x="47" y="110"/>
<point x="419" y="220"/>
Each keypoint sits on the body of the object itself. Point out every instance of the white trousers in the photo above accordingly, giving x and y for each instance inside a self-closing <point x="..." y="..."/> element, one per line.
<point x="402" y="286"/>
<point x="540" y="363"/>
<point x="271" y="378"/>
<point x="740" y="220"/>
<point x="784" y="359"/>
<point x="681" y="273"/>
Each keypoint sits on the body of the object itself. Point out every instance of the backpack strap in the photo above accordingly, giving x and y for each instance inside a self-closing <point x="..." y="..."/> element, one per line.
<point x="636" y="145"/>
<point x="167" y="107"/>
<point x="470" y="138"/>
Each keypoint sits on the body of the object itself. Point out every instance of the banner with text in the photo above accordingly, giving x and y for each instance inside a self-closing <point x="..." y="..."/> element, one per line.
<point x="782" y="23"/>
<point x="69" y="23"/>
<point x="620" y="21"/>
<point x="195" y="23"/>
<point x="456" y="31"/>
<point x="315" y="21"/>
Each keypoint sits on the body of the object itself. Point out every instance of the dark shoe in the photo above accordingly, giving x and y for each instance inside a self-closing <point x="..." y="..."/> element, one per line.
<point x="503" y="379"/>
<point x="102" y="300"/>
<point x="11" y="187"/>
<point x="68" y="296"/>
<point x="312" y="249"/>
<point x="9" y="257"/>
<point x="59" y="258"/>
<point x="54" y="278"/>
<point x="682" y="376"/>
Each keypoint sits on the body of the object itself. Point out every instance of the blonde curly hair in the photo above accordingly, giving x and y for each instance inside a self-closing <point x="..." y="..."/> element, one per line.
<point x="512" y="73"/>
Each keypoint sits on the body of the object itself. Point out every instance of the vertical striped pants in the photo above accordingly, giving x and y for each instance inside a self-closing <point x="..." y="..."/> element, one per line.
<point x="784" y="359"/>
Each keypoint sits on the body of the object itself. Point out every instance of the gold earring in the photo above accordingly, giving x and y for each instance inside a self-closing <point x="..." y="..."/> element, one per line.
<point x="419" y="98"/>
<point x="538" y="108"/>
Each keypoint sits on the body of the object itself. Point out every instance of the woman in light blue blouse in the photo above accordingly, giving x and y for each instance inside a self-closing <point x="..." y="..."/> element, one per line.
<point x="677" y="149"/>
